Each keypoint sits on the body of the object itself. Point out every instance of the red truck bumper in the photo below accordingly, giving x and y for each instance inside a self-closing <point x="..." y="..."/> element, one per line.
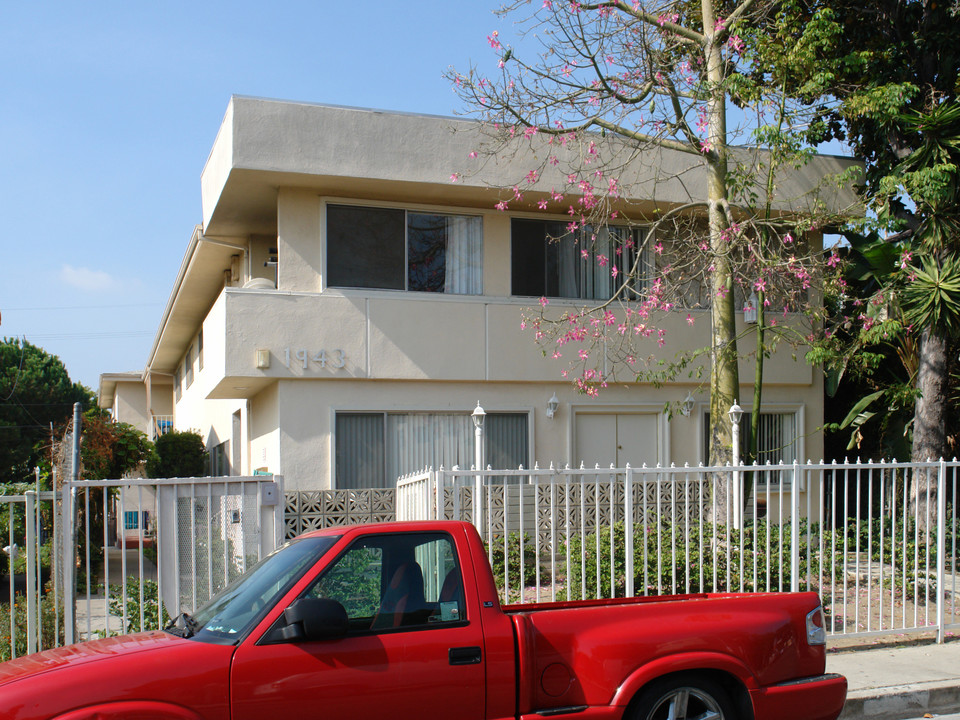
<point x="814" y="698"/>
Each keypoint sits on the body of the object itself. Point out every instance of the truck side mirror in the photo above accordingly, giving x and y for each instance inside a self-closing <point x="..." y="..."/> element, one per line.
<point x="309" y="619"/>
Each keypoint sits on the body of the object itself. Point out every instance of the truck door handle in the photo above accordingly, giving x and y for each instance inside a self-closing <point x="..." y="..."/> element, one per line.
<point x="465" y="655"/>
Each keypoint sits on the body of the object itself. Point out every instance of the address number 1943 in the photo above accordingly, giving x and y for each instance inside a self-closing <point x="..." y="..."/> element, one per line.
<point x="324" y="358"/>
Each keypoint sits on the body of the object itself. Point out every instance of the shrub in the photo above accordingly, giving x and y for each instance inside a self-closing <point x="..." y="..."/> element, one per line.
<point x="530" y="562"/>
<point x="178" y="454"/>
<point x="152" y="607"/>
<point x="50" y="621"/>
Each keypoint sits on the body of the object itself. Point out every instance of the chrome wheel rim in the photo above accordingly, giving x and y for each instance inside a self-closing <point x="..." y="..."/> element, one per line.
<point x="686" y="703"/>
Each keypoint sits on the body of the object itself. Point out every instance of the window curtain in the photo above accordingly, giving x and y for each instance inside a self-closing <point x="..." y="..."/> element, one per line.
<point x="597" y="278"/>
<point x="464" y="263"/>
<point x="569" y="261"/>
<point x="359" y="452"/>
<point x="418" y="441"/>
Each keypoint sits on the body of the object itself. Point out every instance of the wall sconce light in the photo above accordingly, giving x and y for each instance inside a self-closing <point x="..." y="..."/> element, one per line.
<point x="263" y="358"/>
<point x="750" y="309"/>
<point x="687" y="407"/>
<point x="552" y="404"/>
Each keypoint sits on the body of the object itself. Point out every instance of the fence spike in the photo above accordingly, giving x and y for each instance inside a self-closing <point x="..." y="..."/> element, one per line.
<point x="581" y="465"/>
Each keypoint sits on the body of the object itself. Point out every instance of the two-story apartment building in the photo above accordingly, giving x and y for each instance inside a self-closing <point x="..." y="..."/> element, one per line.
<point x="344" y="307"/>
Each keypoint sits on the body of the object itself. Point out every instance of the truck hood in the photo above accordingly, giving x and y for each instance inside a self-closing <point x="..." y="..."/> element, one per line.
<point x="87" y="652"/>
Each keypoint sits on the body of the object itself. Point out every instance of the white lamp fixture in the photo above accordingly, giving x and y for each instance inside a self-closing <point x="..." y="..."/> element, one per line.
<point x="735" y="412"/>
<point x="688" y="404"/>
<point x="478" y="416"/>
<point x="750" y="309"/>
<point x="552" y="404"/>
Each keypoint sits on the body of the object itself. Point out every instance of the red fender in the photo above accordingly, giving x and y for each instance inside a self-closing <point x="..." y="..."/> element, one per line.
<point x="684" y="662"/>
<point x="140" y="709"/>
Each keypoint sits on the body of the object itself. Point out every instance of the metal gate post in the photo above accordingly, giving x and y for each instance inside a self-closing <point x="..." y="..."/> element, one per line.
<point x="627" y="529"/>
<point x="795" y="529"/>
<point x="30" y="512"/>
<point x="68" y="564"/>
<point x="941" y="545"/>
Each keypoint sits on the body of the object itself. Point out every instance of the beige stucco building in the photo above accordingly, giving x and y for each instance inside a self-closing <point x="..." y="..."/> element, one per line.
<point x="344" y="306"/>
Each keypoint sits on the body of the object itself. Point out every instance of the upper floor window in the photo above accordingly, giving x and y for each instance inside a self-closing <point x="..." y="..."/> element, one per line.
<point x="549" y="261"/>
<point x="396" y="249"/>
<point x="188" y="367"/>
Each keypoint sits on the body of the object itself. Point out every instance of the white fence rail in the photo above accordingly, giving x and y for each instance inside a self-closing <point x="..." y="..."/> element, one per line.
<point x="882" y="554"/>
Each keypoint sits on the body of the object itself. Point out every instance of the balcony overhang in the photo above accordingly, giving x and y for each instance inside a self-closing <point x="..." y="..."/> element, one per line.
<point x="263" y="145"/>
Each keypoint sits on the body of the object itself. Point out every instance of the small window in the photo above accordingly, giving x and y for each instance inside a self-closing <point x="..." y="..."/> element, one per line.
<point x="178" y="382"/>
<point x="200" y="350"/>
<point x="133" y="520"/>
<point x="390" y="582"/>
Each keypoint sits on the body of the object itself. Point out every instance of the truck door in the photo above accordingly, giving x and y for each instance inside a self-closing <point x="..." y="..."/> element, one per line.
<point x="413" y="650"/>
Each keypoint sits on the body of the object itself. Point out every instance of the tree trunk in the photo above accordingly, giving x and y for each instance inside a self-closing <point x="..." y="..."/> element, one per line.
<point x="724" y="370"/>
<point x="929" y="424"/>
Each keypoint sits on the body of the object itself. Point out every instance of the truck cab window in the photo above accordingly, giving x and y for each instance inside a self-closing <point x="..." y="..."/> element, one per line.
<point x="387" y="582"/>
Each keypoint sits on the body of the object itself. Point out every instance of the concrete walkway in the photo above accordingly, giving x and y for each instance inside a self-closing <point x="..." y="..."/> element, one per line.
<point x="899" y="682"/>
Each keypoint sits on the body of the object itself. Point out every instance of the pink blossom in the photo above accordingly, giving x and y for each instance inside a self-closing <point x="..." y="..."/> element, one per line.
<point x="472" y="155"/>
<point x="658" y="248"/>
<point x="494" y="42"/>
<point x="690" y="319"/>
<point x="542" y="204"/>
<point x="544" y="302"/>
<point x="454" y="177"/>
<point x="735" y="44"/>
<point x="533" y="176"/>
<point x="502" y="205"/>
<point x="719" y="25"/>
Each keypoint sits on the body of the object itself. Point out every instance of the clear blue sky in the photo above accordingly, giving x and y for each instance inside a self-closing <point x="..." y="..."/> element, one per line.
<point x="108" y="110"/>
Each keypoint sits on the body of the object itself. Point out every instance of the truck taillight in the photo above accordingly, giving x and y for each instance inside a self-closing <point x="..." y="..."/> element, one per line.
<point x="816" y="632"/>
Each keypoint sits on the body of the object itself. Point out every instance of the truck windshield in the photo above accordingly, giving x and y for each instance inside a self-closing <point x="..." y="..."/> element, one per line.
<point x="236" y="609"/>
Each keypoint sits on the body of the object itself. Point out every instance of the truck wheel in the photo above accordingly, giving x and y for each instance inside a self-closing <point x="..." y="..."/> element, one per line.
<point x="683" y="697"/>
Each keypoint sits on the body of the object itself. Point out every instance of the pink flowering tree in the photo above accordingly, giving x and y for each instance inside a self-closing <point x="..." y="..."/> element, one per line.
<point x="611" y="105"/>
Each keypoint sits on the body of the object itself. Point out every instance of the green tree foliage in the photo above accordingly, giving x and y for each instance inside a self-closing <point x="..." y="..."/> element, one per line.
<point x="886" y="82"/>
<point x="111" y="449"/>
<point x="178" y="454"/>
<point x="35" y="391"/>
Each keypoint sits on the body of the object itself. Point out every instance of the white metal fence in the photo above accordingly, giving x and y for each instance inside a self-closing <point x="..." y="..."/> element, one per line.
<point x="29" y="592"/>
<point x="882" y="555"/>
<point x="137" y="552"/>
<point x="102" y="558"/>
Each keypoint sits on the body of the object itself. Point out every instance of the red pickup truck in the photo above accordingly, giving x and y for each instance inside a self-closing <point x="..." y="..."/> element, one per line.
<point x="402" y="620"/>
